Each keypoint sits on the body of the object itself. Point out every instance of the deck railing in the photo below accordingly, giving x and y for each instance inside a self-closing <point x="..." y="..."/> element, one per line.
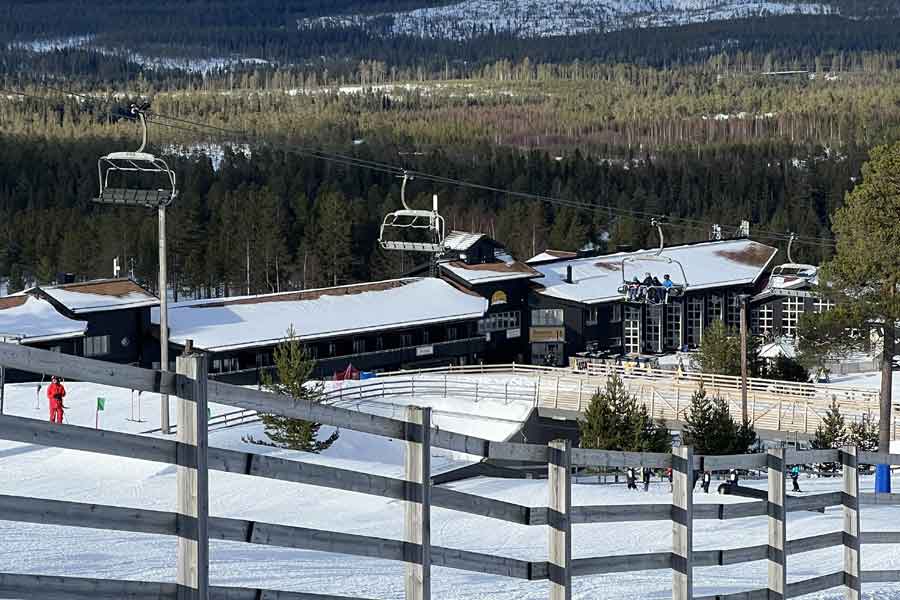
<point x="194" y="527"/>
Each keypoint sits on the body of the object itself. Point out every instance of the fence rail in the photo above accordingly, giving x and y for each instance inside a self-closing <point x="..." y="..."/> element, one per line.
<point x="194" y="527"/>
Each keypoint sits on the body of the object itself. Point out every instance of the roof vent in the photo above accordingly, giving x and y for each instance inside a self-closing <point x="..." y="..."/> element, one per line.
<point x="569" y="274"/>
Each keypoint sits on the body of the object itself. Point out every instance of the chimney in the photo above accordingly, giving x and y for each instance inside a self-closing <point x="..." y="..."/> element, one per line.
<point x="569" y="274"/>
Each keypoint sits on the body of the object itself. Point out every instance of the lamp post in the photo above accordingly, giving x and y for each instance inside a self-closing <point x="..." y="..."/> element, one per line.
<point x="744" y="299"/>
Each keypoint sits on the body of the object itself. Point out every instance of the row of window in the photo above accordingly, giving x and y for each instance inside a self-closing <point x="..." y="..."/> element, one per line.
<point x="500" y="322"/>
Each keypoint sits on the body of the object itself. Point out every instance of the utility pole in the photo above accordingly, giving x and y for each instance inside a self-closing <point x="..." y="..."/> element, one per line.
<point x="163" y="319"/>
<point x="743" y="298"/>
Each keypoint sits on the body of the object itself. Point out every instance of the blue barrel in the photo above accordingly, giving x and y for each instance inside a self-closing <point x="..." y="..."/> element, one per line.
<point x="882" y="479"/>
<point x="366" y="375"/>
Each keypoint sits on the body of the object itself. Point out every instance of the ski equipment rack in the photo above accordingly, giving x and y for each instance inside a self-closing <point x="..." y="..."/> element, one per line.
<point x="652" y="294"/>
<point x="122" y="168"/>
<point x="408" y="218"/>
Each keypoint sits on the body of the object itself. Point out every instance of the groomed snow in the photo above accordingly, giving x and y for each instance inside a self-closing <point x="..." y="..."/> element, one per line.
<point x="707" y="265"/>
<point x="68" y="475"/>
<point x="213" y="326"/>
<point x="38" y="320"/>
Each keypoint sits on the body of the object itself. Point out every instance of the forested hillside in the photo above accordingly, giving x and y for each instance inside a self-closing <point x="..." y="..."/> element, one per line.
<point x="762" y="119"/>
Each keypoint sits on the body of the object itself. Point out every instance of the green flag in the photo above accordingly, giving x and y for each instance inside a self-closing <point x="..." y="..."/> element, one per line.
<point x="101" y="403"/>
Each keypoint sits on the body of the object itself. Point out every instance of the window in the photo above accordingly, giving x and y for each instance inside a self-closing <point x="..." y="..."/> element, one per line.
<point x="359" y="346"/>
<point x="714" y="309"/>
<point x="332" y="349"/>
<point x="592" y="317"/>
<point x="734" y="311"/>
<point x="673" y="325"/>
<point x="548" y="317"/>
<point x="406" y="340"/>
<point x="547" y="353"/>
<point x="500" y="321"/>
<point x="653" y="333"/>
<point x="96" y="345"/>
<point x="615" y="315"/>
<point x="761" y="320"/>
<point x="312" y="351"/>
<point x="379" y="343"/>
<point x="792" y="308"/>
<point x="426" y="336"/>
<point x="632" y="329"/>
<point x="451" y="334"/>
<point x="821" y="305"/>
<point x="225" y="365"/>
<point x="264" y="359"/>
<point x="694" y="321"/>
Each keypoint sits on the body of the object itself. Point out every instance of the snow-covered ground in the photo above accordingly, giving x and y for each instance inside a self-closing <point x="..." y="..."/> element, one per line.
<point x="545" y="18"/>
<point x="60" y="474"/>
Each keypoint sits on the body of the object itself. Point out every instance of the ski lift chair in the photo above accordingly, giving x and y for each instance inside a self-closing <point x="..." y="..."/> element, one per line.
<point x="790" y="274"/>
<point x="119" y="171"/>
<point x="652" y="294"/>
<point x="427" y="221"/>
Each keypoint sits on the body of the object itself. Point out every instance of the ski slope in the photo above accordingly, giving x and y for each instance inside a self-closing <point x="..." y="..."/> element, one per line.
<point x="545" y="18"/>
<point x="69" y="475"/>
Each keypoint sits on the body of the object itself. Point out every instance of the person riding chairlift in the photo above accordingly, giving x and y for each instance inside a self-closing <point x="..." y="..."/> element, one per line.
<point x="634" y="289"/>
<point x="667" y="284"/>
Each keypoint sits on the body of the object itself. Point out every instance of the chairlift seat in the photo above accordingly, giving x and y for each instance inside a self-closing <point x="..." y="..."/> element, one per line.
<point x="134" y="197"/>
<point x="412" y="246"/>
<point x="138" y="156"/>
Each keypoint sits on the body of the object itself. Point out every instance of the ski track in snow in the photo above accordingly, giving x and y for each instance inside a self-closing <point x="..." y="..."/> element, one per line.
<point x="69" y="475"/>
<point x="545" y="18"/>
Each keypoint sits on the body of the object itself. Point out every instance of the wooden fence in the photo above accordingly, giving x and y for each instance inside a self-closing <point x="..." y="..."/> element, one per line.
<point x="194" y="527"/>
<point x="781" y="406"/>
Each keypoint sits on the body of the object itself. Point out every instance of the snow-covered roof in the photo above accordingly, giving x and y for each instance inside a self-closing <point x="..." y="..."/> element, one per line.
<point x="550" y="255"/>
<point x="233" y="323"/>
<point x="776" y="348"/>
<point x="31" y="319"/>
<point x="101" y="295"/>
<point x="706" y="265"/>
<point x="460" y="241"/>
<point x="505" y="269"/>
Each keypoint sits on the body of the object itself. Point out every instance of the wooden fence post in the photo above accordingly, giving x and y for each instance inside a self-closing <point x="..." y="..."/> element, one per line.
<point x="192" y="477"/>
<point x="850" y="503"/>
<point x="417" y="522"/>
<point x="682" y="523"/>
<point x="777" y="530"/>
<point x="559" y="475"/>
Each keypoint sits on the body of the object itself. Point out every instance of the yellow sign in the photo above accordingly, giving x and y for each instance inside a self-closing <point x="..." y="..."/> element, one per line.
<point x="547" y="334"/>
<point x="499" y="297"/>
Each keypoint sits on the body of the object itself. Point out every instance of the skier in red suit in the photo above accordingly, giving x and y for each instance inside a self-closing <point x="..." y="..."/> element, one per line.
<point x="55" y="393"/>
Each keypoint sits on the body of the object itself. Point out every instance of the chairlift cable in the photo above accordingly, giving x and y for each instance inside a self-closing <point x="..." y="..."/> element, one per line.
<point x="190" y="126"/>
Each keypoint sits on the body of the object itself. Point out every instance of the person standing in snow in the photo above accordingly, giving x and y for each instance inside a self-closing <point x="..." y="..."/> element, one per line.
<point x="646" y="479"/>
<point x="733" y="477"/>
<point x="795" y="475"/>
<point x="632" y="477"/>
<point x="707" y="478"/>
<point x="55" y="394"/>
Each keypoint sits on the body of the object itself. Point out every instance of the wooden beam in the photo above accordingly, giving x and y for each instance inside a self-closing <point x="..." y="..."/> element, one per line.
<point x="94" y="516"/>
<point x="814" y="542"/>
<point x="609" y="458"/>
<point x="816" y="584"/>
<point x="814" y="501"/>
<point x="881" y="576"/>
<point x="98" y="441"/>
<point x="32" y="360"/>
<point x="417" y="508"/>
<point x="682" y="523"/>
<point x="734" y="461"/>
<point x="49" y="587"/>
<point x="777" y="584"/>
<point x="851" y="533"/>
<point x="624" y="563"/>
<point x="760" y="594"/>
<point x="193" y="482"/>
<point x="880" y="537"/>
<point x="620" y="514"/>
<point x="559" y="477"/>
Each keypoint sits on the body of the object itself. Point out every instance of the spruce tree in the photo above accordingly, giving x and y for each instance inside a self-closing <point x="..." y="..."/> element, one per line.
<point x="710" y="428"/>
<point x="294" y="368"/>
<point x="720" y="352"/>
<point x="832" y="433"/>
<point x="332" y="239"/>
<point x="615" y="420"/>
<point x="864" y="433"/>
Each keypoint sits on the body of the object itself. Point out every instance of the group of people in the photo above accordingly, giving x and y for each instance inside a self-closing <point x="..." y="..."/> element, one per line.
<point x="631" y="478"/>
<point x="651" y="289"/>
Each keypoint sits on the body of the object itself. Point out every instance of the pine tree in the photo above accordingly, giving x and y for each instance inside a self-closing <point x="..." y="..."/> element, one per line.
<point x="832" y="433"/>
<point x="615" y="420"/>
<point x="720" y="352"/>
<point x="864" y="433"/>
<point x="332" y="239"/>
<point x="294" y="368"/>
<point x="710" y="429"/>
